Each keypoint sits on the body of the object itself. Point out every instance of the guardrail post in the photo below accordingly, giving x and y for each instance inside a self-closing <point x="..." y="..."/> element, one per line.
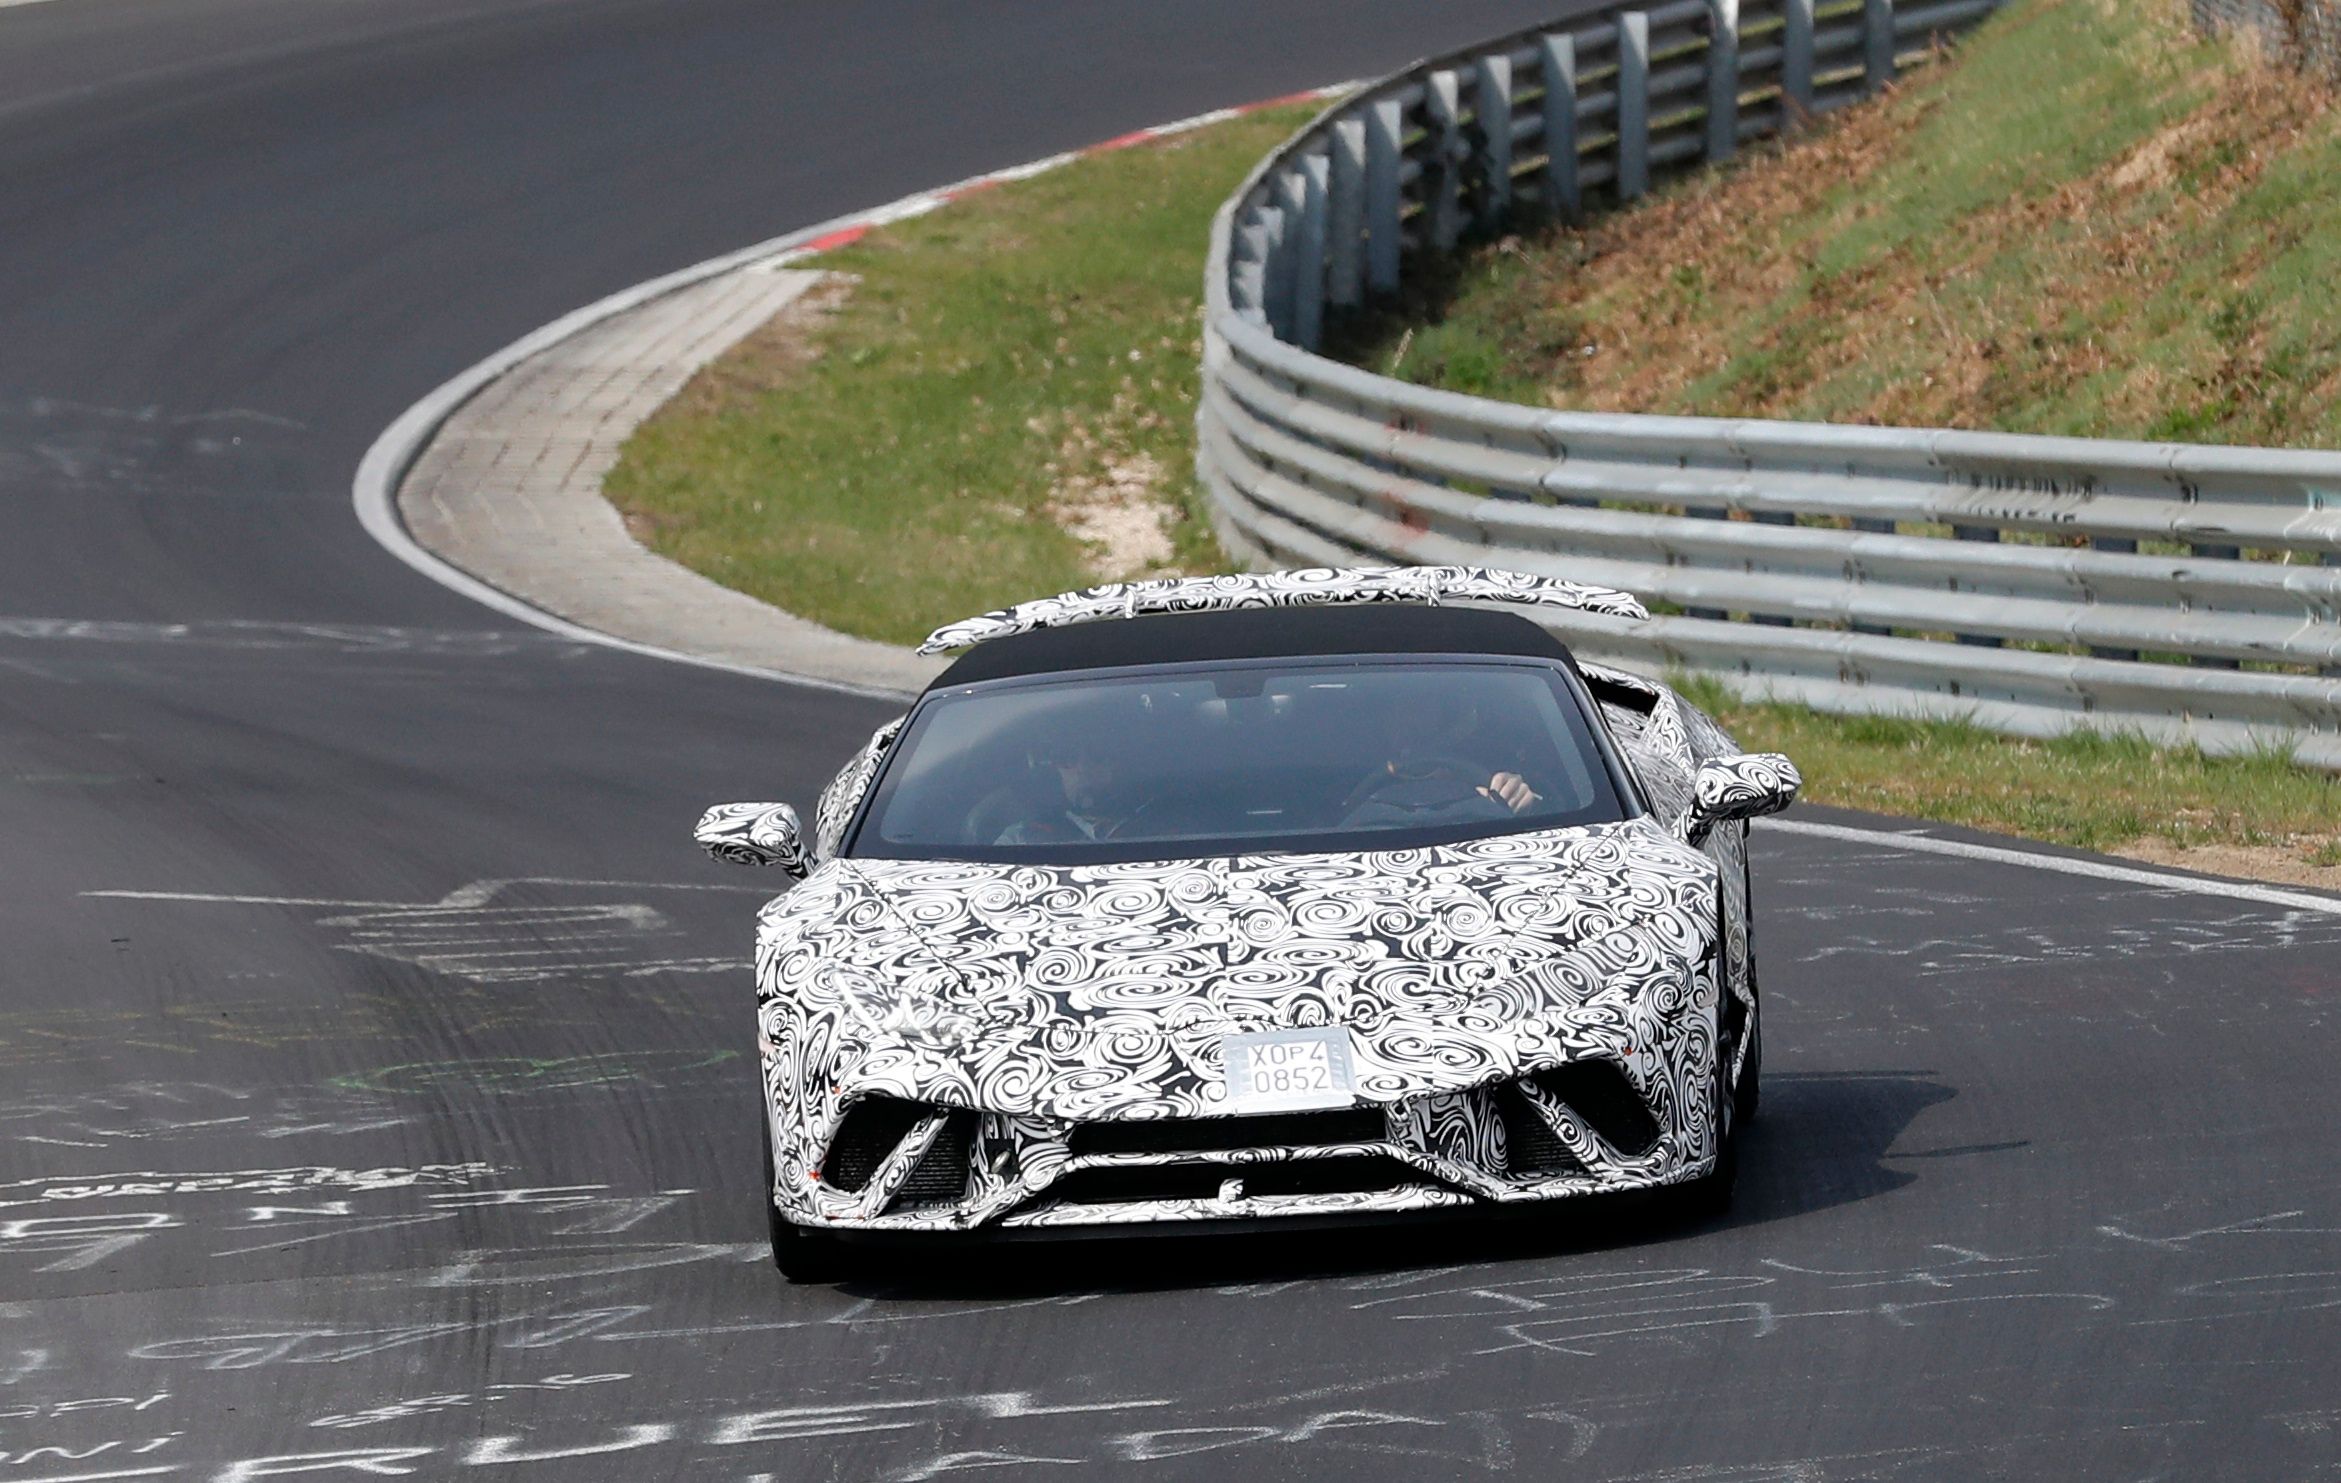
<point x="1796" y="60"/>
<point x="1989" y="534"/>
<point x="2215" y="553"/>
<point x="1877" y="26"/>
<point x="1558" y="54"/>
<point x="1722" y="79"/>
<point x="2123" y="547"/>
<point x="1275" y="265"/>
<point x="1695" y="512"/>
<point x="1881" y="528"/>
<point x="1633" y="105"/>
<point x="1771" y="517"/>
<point x="1308" y="267"/>
<point x="1385" y="124"/>
<point x="1346" y="214"/>
<point x="1491" y="97"/>
<point x="1443" y="173"/>
<point x="2331" y="671"/>
<point x="1248" y="267"/>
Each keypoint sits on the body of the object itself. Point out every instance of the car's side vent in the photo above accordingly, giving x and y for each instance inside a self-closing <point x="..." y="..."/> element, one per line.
<point x="940" y="1175"/>
<point x="1599" y="1092"/>
<point x="1530" y="1145"/>
<point x="1610" y="690"/>
<point x="872" y="1128"/>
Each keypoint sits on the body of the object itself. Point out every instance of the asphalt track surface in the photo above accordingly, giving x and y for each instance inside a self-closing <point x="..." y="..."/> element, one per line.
<point x="375" y="1096"/>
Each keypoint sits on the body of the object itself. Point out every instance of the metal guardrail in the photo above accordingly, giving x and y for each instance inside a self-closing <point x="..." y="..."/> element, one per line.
<point x="2030" y="584"/>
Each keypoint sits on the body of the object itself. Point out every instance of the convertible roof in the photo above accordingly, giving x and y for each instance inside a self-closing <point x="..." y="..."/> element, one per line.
<point x="1257" y="633"/>
<point x="1304" y="588"/>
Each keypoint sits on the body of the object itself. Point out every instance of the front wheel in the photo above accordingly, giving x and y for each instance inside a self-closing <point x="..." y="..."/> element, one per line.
<point x="801" y="1255"/>
<point x="1709" y="1196"/>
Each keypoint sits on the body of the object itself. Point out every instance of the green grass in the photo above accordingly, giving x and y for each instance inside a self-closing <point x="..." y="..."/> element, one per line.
<point x="2090" y="790"/>
<point x="1029" y="340"/>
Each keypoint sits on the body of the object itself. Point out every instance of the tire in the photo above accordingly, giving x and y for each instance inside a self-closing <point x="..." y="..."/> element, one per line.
<point x="801" y="1255"/>
<point x="1709" y="1196"/>
<point x="1746" y="1096"/>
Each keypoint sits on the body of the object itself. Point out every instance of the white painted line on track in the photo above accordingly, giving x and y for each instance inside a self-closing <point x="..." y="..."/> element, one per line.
<point x="477" y="894"/>
<point x="375" y="492"/>
<point x="2064" y="865"/>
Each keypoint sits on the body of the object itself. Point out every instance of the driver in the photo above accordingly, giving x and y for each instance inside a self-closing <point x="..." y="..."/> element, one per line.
<point x="1087" y="804"/>
<point x="1435" y="773"/>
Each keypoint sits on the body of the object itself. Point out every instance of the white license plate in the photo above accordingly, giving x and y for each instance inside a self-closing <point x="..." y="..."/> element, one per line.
<point x="1286" y="1070"/>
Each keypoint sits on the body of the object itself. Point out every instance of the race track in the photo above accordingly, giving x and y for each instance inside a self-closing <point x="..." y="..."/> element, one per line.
<point x="375" y="1080"/>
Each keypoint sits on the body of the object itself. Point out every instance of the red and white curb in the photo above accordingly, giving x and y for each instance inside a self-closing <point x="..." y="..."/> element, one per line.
<point x="375" y="490"/>
<point x="847" y="231"/>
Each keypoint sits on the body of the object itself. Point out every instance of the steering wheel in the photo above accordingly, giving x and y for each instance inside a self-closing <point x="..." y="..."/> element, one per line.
<point x="1424" y="769"/>
<point x="1122" y="826"/>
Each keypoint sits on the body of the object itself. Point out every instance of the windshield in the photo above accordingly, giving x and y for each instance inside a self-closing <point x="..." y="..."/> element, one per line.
<point x="1314" y="755"/>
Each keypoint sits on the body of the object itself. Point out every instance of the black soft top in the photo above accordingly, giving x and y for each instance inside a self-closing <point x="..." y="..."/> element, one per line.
<point x="1257" y="633"/>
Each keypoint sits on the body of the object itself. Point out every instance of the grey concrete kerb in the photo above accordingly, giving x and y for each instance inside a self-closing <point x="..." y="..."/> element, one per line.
<point x="508" y="489"/>
<point x="491" y="470"/>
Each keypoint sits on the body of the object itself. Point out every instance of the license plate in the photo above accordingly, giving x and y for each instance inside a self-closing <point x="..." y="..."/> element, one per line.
<point x="1288" y="1070"/>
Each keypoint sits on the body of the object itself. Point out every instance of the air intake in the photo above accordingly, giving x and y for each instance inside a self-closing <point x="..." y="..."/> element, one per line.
<point x="940" y="1175"/>
<point x="1599" y="1092"/>
<point x="1530" y="1145"/>
<point x="872" y="1129"/>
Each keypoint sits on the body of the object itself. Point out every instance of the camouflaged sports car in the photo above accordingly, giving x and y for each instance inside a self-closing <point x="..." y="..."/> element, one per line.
<point x="1281" y="897"/>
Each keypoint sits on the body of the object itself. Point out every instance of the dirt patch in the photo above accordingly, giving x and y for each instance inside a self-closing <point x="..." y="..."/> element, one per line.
<point x="2244" y="862"/>
<point x="771" y="356"/>
<point x="1121" y="515"/>
<point x="1110" y="494"/>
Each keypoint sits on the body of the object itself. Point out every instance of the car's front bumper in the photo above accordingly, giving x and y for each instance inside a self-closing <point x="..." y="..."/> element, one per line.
<point x="1589" y="1126"/>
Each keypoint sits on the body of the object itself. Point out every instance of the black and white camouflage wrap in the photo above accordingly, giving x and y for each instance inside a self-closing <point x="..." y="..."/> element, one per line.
<point x="754" y="834"/>
<point x="1043" y="998"/>
<point x="1306" y="587"/>
<point x="1740" y="787"/>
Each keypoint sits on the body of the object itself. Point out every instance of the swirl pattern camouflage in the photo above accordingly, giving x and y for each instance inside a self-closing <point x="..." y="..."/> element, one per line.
<point x="956" y="1044"/>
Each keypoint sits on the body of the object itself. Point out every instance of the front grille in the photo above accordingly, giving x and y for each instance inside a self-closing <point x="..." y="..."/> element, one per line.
<point x="1130" y="1184"/>
<point x="1599" y="1092"/>
<point x="1221" y="1134"/>
<point x="940" y="1175"/>
<point x="1530" y="1145"/>
<point x="872" y="1129"/>
<point x="1363" y="1176"/>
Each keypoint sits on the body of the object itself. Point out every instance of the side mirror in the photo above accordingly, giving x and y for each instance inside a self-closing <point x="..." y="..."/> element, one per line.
<point x="1743" y="787"/>
<point x="754" y="834"/>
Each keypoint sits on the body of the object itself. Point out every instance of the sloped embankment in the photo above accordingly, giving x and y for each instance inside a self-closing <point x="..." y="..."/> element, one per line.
<point x="2089" y="221"/>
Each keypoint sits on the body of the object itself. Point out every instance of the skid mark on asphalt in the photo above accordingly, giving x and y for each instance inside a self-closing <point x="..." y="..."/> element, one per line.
<point x="478" y="933"/>
<point x="332" y="638"/>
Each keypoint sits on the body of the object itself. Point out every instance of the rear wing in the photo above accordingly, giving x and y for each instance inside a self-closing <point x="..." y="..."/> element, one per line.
<point x="1310" y="587"/>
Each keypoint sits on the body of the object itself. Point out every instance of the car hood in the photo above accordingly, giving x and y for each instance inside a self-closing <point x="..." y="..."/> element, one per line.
<point x="1086" y="990"/>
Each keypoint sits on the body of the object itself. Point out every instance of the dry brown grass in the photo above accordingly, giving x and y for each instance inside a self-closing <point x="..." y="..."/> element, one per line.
<point x="2130" y="258"/>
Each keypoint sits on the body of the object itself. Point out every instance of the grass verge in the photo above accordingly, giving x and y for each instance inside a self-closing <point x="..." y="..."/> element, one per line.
<point x="1003" y="405"/>
<point x="2259" y="816"/>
